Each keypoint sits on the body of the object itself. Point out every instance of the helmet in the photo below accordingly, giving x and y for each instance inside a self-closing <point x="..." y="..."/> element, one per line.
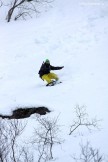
<point x="47" y="61"/>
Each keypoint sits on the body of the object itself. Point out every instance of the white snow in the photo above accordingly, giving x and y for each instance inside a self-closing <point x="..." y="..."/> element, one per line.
<point x="73" y="34"/>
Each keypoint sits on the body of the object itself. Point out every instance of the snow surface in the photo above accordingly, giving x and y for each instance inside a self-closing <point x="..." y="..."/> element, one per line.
<point x="73" y="34"/>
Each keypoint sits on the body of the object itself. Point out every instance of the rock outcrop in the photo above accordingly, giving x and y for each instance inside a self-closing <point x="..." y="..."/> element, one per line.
<point x="26" y="112"/>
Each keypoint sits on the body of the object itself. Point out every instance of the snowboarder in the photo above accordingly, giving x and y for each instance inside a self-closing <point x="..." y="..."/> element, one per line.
<point x="45" y="73"/>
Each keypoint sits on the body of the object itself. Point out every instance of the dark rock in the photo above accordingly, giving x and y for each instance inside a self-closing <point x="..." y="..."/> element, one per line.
<point x="26" y="112"/>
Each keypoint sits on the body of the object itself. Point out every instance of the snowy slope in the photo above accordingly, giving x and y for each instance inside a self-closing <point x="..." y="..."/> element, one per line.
<point x="73" y="35"/>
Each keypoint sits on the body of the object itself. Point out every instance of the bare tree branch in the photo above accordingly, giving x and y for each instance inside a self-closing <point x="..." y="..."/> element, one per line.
<point x="10" y="151"/>
<point x="45" y="137"/>
<point x="89" y="154"/>
<point x="82" y="120"/>
<point x="24" y="8"/>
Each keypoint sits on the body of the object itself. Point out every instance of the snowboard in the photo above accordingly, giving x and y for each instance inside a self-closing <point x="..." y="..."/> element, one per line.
<point x="53" y="83"/>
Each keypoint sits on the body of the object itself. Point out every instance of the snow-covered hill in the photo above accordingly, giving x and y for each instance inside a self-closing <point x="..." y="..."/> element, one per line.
<point x="73" y="34"/>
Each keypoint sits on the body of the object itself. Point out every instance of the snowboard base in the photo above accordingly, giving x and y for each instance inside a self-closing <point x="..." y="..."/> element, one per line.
<point x="53" y="83"/>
